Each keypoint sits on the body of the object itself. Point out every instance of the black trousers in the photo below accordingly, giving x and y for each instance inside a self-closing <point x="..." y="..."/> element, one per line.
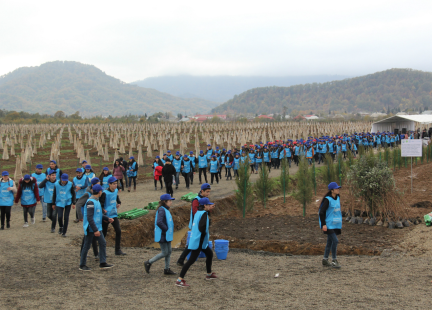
<point x="5" y="213"/>
<point x="60" y="212"/>
<point x="204" y="171"/>
<point x="116" y="225"/>
<point x="187" y="178"/>
<point x="52" y="215"/>
<point x="160" y="181"/>
<point x="28" y="210"/>
<point x="215" y="175"/>
<point x="269" y="164"/>
<point x="168" y="186"/>
<point x="194" y="255"/>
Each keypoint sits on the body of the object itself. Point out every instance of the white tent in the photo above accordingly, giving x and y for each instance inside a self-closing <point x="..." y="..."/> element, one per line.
<point x="401" y="122"/>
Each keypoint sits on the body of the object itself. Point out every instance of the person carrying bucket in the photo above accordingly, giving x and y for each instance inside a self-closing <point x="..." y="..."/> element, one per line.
<point x="164" y="233"/>
<point x="198" y="242"/>
<point x="204" y="192"/>
<point x="330" y="221"/>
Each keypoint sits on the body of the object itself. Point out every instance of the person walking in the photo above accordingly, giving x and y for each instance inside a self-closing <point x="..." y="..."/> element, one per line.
<point x="104" y="177"/>
<point x="158" y="176"/>
<point x="63" y="199"/>
<point x="199" y="242"/>
<point x="48" y="186"/>
<point x="89" y="173"/>
<point x="202" y="166"/>
<point x="7" y="191"/>
<point x="53" y="167"/>
<point x="28" y="192"/>
<point x="214" y="169"/>
<point x="110" y="203"/>
<point x="92" y="225"/>
<point x="40" y="176"/>
<point x="80" y="184"/>
<point x="118" y="171"/>
<point x="124" y="164"/>
<point x="177" y="162"/>
<point x="330" y="221"/>
<point x="187" y="169"/>
<point x="132" y="172"/>
<point x="164" y="232"/>
<point x="168" y="173"/>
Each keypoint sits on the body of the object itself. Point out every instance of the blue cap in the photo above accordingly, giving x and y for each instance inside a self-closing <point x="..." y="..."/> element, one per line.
<point x="166" y="197"/>
<point x="205" y="201"/>
<point x="201" y="152"/>
<point x="39" y="166"/>
<point x="78" y="170"/>
<point x="5" y="173"/>
<point x="208" y="145"/>
<point x="205" y="186"/>
<point x="333" y="185"/>
<point x="53" y="161"/>
<point x="177" y="153"/>
<point x="168" y="151"/>
<point x="191" y="153"/>
<point x="27" y="177"/>
<point x="95" y="181"/>
<point x="185" y="156"/>
<point x="97" y="188"/>
<point x="64" y="177"/>
<point x="52" y="172"/>
<point x="131" y="157"/>
<point x="105" y="169"/>
<point x="223" y="150"/>
<point x="157" y="157"/>
<point x="84" y="161"/>
<point x="214" y="156"/>
<point x="88" y="167"/>
<point x="217" y="147"/>
<point x="112" y="180"/>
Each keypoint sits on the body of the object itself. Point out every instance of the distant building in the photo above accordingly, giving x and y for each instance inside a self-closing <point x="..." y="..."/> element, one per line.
<point x="208" y="116"/>
<point x="299" y="117"/>
<point x="264" y="117"/>
<point x="428" y="112"/>
<point x="311" y="117"/>
<point x="377" y="114"/>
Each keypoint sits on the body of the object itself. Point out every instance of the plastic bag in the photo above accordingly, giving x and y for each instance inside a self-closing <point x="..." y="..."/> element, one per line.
<point x="428" y="219"/>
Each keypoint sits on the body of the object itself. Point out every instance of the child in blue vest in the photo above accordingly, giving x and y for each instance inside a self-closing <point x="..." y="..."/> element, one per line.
<point x="92" y="225"/>
<point x="199" y="241"/>
<point x="40" y="176"/>
<point x="330" y="221"/>
<point x="110" y="202"/>
<point x="29" y="194"/>
<point x="164" y="232"/>
<point x="63" y="199"/>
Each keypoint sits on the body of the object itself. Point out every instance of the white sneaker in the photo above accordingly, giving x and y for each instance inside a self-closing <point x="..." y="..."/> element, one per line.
<point x="33" y="220"/>
<point x="25" y="224"/>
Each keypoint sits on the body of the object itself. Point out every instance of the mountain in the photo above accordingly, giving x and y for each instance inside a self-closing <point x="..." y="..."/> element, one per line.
<point x="72" y="86"/>
<point x="396" y="89"/>
<point x="223" y="88"/>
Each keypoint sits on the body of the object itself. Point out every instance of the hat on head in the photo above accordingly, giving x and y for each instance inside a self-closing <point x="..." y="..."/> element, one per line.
<point x="185" y="156"/>
<point x="78" y="170"/>
<point x="333" y="185"/>
<point x="168" y="160"/>
<point x="201" y="152"/>
<point x="112" y="180"/>
<point x="84" y="161"/>
<point x="191" y="153"/>
<point x="88" y="167"/>
<point x="208" y="145"/>
<point x="214" y="156"/>
<point x="97" y="188"/>
<point x="5" y="173"/>
<point x="53" y="161"/>
<point x="105" y="169"/>
<point x="157" y="157"/>
<point x="95" y="181"/>
<point x="205" y="201"/>
<point x="223" y="150"/>
<point x="205" y="186"/>
<point x="27" y="177"/>
<point x="131" y="157"/>
<point x="166" y="197"/>
<point x="53" y="172"/>
<point x="64" y="177"/>
<point x="177" y="153"/>
<point x="169" y="151"/>
<point x="39" y="166"/>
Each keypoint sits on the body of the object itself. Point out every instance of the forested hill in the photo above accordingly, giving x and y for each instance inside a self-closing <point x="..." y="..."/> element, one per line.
<point x="71" y="86"/>
<point x="394" y="89"/>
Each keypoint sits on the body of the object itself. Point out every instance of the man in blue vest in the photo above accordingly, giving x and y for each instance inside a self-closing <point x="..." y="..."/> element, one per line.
<point x="204" y="192"/>
<point x="7" y="191"/>
<point x="187" y="169"/>
<point x="63" y="198"/>
<point x="202" y="166"/>
<point x="40" y="176"/>
<point x="93" y="217"/>
<point x="48" y="186"/>
<point x="209" y="152"/>
<point x="177" y="162"/>
<point x="193" y="161"/>
<point x="80" y="184"/>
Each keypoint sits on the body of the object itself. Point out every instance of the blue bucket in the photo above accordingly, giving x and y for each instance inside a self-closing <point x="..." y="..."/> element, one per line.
<point x="221" y="248"/>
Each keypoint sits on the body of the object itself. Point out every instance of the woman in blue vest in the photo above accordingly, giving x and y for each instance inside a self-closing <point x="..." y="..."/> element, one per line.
<point x="40" y="176"/>
<point x="7" y="190"/>
<point x="110" y="203"/>
<point x="214" y="169"/>
<point x="199" y="241"/>
<point x="89" y="172"/>
<point x="251" y="159"/>
<point x="330" y="220"/>
<point x="202" y="166"/>
<point x="222" y="161"/>
<point x="80" y="184"/>
<point x="104" y="177"/>
<point x="164" y="232"/>
<point x="48" y="186"/>
<point x="53" y="167"/>
<point x="193" y="160"/>
<point x="28" y="192"/>
<point x="187" y="169"/>
<point x="229" y="161"/>
<point x="236" y="165"/>
<point x="132" y="172"/>
<point x="92" y="225"/>
<point x="63" y="198"/>
<point x="177" y="162"/>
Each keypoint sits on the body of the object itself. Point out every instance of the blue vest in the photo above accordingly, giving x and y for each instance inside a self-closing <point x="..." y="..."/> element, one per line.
<point x="213" y="166"/>
<point x="252" y="158"/>
<point x="171" y="157"/>
<point x="192" y="159"/>
<point x="333" y="214"/>
<point x="57" y="173"/>
<point x="170" y="232"/>
<point x="90" y="176"/>
<point x="309" y="153"/>
<point x="132" y="173"/>
<point x="258" y="158"/>
<point x="209" y="153"/>
<point x="222" y="159"/>
<point x="81" y="183"/>
<point x="344" y="147"/>
<point x="6" y="197"/>
<point x="243" y="159"/>
<point x="28" y="196"/>
<point x="97" y="216"/>
<point x="266" y="157"/>
<point x="39" y="178"/>
<point x="63" y="194"/>
<point x="105" y="183"/>
<point x="49" y="191"/>
<point x="177" y="164"/>
<point x="202" y="161"/>
<point x="186" y="166"/>
<point x="196" y="234"/>
<point x="111" y="203"/>
<point x="296" y="150"/>
<point x="191" y="213"/>
<point x="236" y="163"/>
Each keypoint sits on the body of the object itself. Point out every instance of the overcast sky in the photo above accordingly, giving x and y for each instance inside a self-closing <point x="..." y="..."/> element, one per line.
<point x="132" y="40"/>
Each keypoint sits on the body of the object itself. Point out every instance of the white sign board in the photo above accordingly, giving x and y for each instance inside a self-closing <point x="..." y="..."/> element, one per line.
<point x="411" y="147"/>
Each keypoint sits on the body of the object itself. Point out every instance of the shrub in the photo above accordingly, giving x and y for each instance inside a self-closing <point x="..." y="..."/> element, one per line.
<point x="304" y="190"/>
<point x="264" y="185"/>
<point x="244" y="195"/>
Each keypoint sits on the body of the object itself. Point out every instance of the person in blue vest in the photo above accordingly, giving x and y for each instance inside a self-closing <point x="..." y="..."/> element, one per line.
<point x="164" y="158"/>
<point x="104" y="177"/>
<point x="214" y="169"/>
<point x="53" y="167"/>
<point x="204" y="192"/>
<point x="202" y="166"/>
<point x="110" y="202"/>
<point x="40" y="176"/>
<point x="209" y="152"/>
<point x="330" y="221"/>
<point x="177" y="162"/>
<point x="48" y="186"/>
<point x="251" y="160"/>
<point x="267" y="157"/>
<point x="199" y="241"/>
<point x="89" y="172"/>
<point x="193" y="160"/>
<point x="7" y="191"/>
<point x="236" y="165"/>
<point x="309" y="153"/>
<point x="83" y="164"/>
<point x="187" y="169"/>
<point x="92" y="225"/>
<point x="258" y="159"/>
<point x="222" y="159"/>
<point x="164" y="233"/>
<point x="169" y="155"/>
<point x="132" y="172"/>
<point x="63" y="199"/>
<point x="28" y="192"/>
<point x="80" y="184"/>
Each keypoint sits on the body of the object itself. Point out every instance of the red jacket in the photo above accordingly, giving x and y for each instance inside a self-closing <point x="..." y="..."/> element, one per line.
<point x="35" y="191"/>
<point x="158" y="172"/>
